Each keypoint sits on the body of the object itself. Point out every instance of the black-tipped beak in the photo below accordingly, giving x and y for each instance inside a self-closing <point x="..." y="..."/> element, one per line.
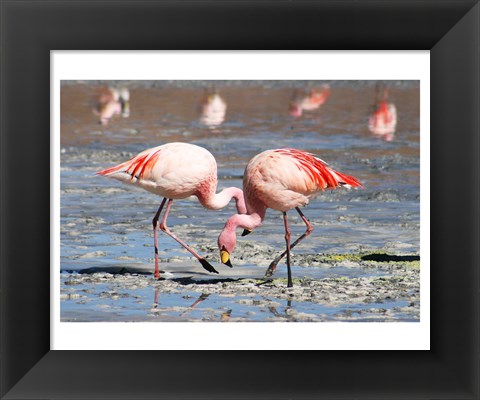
<point x="246" y="232"/>
<point x="225" y="257"/>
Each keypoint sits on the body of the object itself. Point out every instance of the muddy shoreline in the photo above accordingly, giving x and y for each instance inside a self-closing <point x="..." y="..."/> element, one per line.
<point x="387" y="289"/>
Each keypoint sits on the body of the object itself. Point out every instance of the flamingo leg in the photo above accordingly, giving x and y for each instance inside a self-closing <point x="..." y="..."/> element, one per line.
<point x="155" y="237"/>
<point x="273" y="264"/>
<point x="287" y="242"/>
<point x="164" y="228"/>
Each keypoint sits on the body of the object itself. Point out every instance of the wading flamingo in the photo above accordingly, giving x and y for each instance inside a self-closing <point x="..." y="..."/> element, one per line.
<point x="308" y="100"/>
<point x="280" y="179"/>
<point x="112" y="101"/>
<point x="177" y="171"/>
<point x="212" y="108"/>
<point x="383" y="120"/>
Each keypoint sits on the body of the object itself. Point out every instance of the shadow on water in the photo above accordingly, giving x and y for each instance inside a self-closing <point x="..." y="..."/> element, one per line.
<point x="120" y="270"/>
<point x="383" y="257"/>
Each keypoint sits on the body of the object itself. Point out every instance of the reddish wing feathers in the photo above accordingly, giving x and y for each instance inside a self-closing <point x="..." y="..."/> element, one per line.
<point x="141" y="164"/>
<point x="349" y="180"/>
<point x="318" y="171"/>
<point x="320" y="97"/>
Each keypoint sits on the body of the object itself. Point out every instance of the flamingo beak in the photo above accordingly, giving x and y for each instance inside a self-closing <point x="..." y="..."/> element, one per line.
<point x="225" y="256"/>
<point x="246" y="232"/>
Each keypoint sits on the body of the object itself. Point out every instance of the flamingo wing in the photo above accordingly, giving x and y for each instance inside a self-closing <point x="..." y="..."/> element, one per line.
<point x="286" y="178"/>
<point x="138" y="166"/>
<point x="317" y="175"/>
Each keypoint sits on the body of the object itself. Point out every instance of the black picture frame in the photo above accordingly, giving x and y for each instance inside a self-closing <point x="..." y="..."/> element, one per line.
<point x="31" y="29"/>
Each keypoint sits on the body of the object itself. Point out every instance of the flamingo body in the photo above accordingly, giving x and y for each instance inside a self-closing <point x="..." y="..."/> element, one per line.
<point x="280" y="179"/>
<point x="173" y="170"/>
<point x="307" y="101"/>
<point x="383" y="121"/>
<point x="176" y="171"/>
<point x="110" y="102"/>
<point x="283" y="179"/>
<point x="213" y="109"/>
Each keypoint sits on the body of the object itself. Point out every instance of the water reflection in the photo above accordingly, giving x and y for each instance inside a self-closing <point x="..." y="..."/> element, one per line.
<point x="285" y="313"/>
<point x="212" y="108"/>
<point x="383" y="120"/>
<point x="308" y="100"/>
<point x="201" y="298"/>
<point x="224" y="316"/>
<point x="111" y="101"/>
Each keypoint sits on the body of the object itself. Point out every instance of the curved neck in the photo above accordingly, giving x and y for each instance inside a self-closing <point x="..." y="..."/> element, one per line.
<point x="217" y="201"/>
<point x="246" y="221"/>
<point x="251" y="220"/>
<point x="228" y="236"/>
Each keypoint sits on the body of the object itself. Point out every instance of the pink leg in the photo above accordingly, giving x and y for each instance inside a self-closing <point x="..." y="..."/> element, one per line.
<point x="155" y="238"/>
<point x="287" y="242"/>
<point x="273" y="264"/>
<point x="164" y="227"/>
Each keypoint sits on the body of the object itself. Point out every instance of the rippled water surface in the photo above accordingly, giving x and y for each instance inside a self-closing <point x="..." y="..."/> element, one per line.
<point x="106" y="226"/>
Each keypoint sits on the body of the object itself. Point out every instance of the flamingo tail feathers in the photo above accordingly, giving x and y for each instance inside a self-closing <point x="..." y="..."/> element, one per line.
<point x="318" y="172"/>
<point x="137" y="167"/>
<point x="347" y="180"/>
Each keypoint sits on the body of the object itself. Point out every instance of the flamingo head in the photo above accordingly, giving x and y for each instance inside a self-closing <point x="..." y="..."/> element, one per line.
<point x="226" y="244"/>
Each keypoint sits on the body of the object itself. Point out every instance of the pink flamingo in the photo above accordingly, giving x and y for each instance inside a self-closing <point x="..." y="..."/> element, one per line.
<point x="383" y="120"/>
<point x="213" y="109"/>
<point x="307" y="101"/>
<point x="280" y="179"/>
<point x="177" y="171"/>
<point x="110" y="102"/>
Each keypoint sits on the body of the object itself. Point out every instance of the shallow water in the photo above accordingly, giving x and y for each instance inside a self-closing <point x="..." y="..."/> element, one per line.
<point x="107" y="301"/>
<point x="107" y="225"/>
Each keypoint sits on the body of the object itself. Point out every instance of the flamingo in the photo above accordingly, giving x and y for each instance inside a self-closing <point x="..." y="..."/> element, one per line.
<point x="213" y="109"/>
<point x="280" y="179"/>
<point x="177" y="171"/>
<point x="307" y="101"/>
<point x="112" y="101"/>
<point x="383" y="120"/>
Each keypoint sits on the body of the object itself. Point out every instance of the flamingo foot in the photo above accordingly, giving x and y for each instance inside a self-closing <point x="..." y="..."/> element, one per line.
<point x="157" y="276"/>
<point x="207" y="266"/>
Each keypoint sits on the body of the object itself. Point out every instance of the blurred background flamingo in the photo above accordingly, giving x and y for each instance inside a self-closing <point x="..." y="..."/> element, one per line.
<point x="212" y="108"/>
<point x="383" y="120"/>
<point x="280" y="179"/>
<point x="307" y="100"/>
<point x="112" y="101"/>
<point x="177" y="171"/>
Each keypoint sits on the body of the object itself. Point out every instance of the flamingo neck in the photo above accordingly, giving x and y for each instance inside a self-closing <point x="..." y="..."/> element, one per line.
<point x="228" y="237"/>
<point x="216" y="201"/>
<point x="246" y="221"/>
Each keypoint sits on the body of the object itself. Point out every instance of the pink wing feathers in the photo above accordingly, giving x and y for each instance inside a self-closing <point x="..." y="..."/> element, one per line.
<point x="137" y="167"/>
<point x="318" y="172"/>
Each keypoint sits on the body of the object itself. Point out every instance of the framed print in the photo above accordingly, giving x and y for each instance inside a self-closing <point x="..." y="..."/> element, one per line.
<point x="38" y="358"/>
<point x="352" y="285"/>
